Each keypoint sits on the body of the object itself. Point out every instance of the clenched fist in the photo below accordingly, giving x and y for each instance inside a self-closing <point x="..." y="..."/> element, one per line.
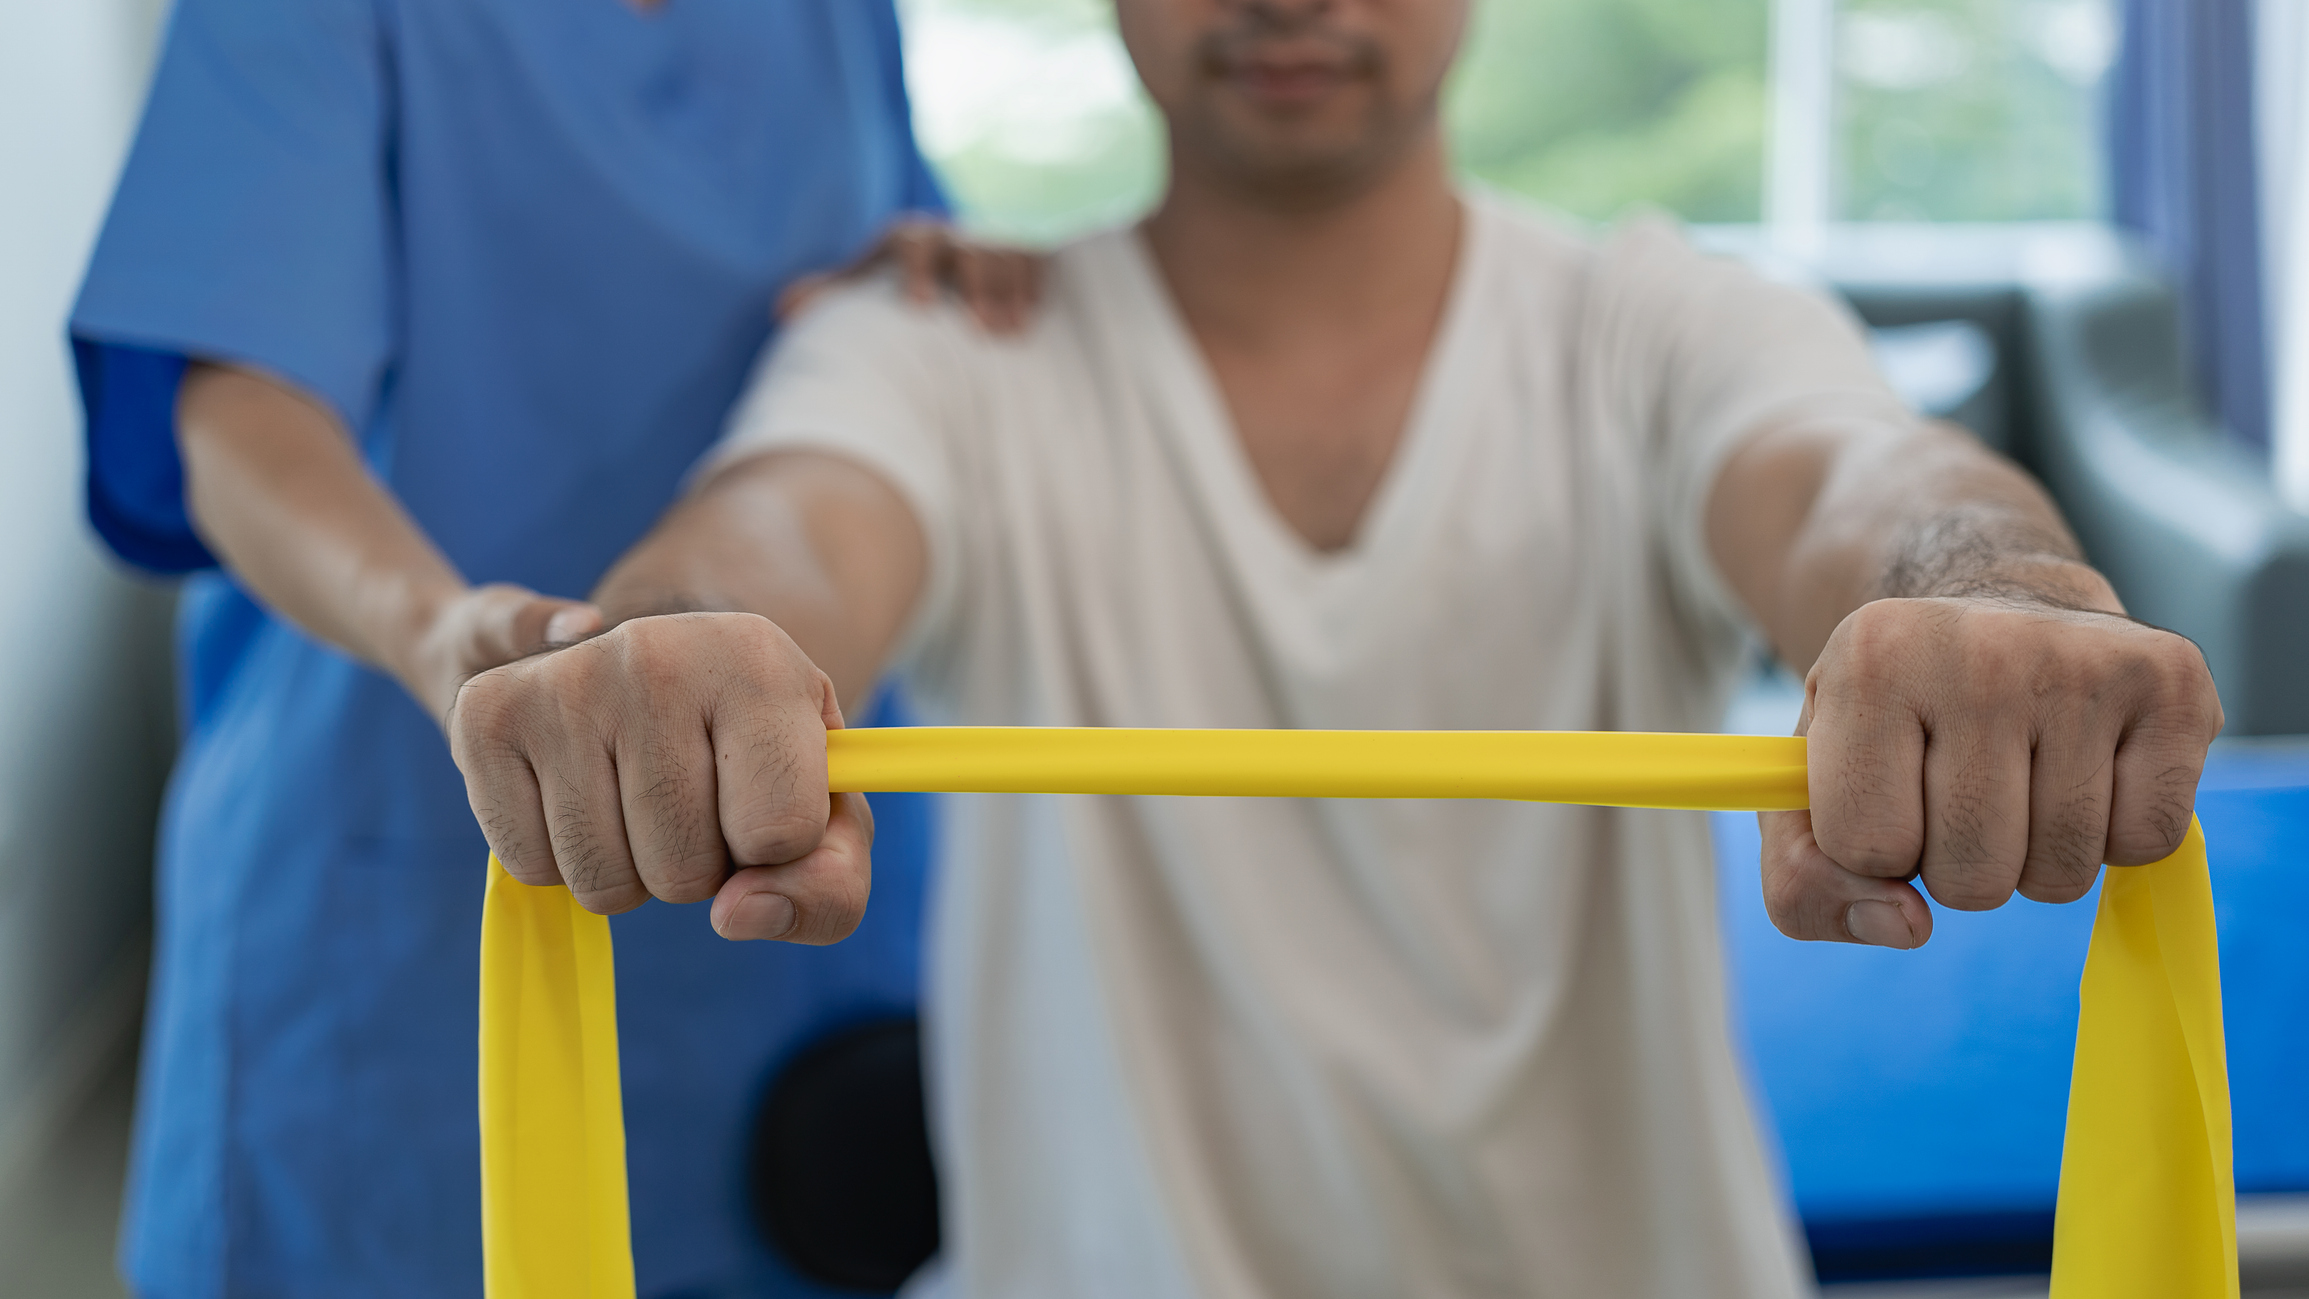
<point x="1983" y="746"/>
<point x="679" y="757"/>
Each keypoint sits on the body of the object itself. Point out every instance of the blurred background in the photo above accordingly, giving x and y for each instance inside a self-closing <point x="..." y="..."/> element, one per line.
<point x="2076" y="226"/>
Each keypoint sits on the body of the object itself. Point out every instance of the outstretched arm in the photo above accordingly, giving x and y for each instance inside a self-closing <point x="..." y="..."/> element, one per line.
<point x="682" y="754"/>
<point x="1983" y="716"/>
<point x="816" y="544"/>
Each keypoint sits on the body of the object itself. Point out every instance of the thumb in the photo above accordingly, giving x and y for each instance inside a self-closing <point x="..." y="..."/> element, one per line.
<point x="512" y="622"/>
<point x="1810" y="897"/>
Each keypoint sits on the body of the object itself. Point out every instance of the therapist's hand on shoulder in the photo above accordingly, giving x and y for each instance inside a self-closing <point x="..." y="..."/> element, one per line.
<point x="997" y="284"/>
<point x="681" y="757"/>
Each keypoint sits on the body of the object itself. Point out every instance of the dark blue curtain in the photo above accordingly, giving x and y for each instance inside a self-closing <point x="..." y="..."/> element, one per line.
<point x="2182" y="170"/>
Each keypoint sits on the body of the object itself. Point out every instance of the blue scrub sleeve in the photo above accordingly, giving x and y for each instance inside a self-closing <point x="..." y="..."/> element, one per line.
<point x="252" y="225"/>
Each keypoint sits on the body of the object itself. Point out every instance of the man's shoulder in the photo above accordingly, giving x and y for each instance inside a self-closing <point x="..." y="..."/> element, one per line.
<point x="874" y="316"/>
<point x="1641" y="241"/>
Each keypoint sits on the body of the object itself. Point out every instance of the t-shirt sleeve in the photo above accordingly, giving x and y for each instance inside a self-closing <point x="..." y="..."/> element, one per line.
<point x="252" y="225"/>
<point x="871" y="378"/>
<point x="1719" y="353"/>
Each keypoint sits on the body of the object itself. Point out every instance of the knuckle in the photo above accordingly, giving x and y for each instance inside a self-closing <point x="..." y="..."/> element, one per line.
<point x="537" y="868"/>
<point x="2065" y="856"/>
<point x="487" y="709"/>
<point x="2153" y="830"/>
<point x="1970" y="884"/>
<point x="1877" y="638"/>
<point x="689" y="875"/>
<point x="774" y="837"/>
<point x="608" y="900"/>
<point x="1875" y="850"/>
<point x="835" y="913"/>
<point x="1783" y="898"/>
<point x="646" y="649"/>
<point x="598" y="876"/>
<point x="1790" y="898"/>
<point x="2055" y="889"/>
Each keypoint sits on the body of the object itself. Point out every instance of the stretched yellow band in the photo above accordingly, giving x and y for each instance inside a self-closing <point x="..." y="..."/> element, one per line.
<point x="2147" y="1205"/>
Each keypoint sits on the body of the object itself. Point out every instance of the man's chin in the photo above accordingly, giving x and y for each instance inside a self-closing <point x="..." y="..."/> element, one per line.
<point x="1313" y="160"/>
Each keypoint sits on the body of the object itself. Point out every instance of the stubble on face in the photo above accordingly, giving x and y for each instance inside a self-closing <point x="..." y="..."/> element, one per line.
<point x="1286" y="101"/>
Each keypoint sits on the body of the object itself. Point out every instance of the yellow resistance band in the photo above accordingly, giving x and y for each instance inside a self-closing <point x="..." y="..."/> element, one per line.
<point x="2147" y="1205"/>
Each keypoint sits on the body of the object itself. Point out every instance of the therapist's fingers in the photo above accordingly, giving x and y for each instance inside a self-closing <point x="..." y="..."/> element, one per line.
<point x="797" y="296"/>
<point x="485" y="627"/>
<point x="1810" y="897"/>
<point x="923" y="251"/>
<point x="500" y="622"/>
<point x="818" y="898"/>
<point x="999" y="285"/>
<point x="978" y="282"/>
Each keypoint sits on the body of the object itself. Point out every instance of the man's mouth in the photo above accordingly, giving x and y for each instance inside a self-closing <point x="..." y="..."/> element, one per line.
<point x="1290" y="73"/>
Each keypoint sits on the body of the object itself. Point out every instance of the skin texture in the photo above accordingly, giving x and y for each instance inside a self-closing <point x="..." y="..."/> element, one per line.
<point x="1983" y="717"/>
<point x="1304" y="141"/>
<point x="277" y="491"/>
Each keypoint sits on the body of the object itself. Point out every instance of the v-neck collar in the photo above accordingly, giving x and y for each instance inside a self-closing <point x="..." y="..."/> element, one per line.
<point x="1215" y="445"/>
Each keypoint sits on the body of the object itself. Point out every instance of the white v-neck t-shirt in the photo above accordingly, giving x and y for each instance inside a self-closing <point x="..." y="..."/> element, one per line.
<point x="1298" y="1047"/>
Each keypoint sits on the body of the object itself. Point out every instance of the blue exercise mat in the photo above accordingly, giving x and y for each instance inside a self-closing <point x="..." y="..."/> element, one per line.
<point x="1920" y="1096"/>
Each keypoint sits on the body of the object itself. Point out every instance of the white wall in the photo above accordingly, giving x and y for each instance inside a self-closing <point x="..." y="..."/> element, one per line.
<point x="84" y="722"/>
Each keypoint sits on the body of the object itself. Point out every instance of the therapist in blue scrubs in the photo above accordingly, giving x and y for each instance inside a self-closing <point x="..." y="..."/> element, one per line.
<point x="409" y="311"/>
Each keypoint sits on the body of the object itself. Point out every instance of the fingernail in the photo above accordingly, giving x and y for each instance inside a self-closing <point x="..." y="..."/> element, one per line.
<point x="761" y="915"/>
<point x="1879" y="924"/>
<point x="567" y="625"/>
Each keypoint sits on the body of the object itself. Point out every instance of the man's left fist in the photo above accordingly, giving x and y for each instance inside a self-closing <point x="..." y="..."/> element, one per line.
<point x="1984" y="746"/>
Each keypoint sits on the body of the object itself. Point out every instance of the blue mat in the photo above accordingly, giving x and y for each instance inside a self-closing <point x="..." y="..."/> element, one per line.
<point x="1920" y="1096"/>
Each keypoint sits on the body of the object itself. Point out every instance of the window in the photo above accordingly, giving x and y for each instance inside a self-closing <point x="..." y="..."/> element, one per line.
<point x="1970" y="110"/>
<point x="1887" y="109"/>
<point x="1032" y="114"/>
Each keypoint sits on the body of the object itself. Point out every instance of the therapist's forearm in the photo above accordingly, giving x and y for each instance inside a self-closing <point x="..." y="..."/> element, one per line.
<point x="278" y="492"/>
<point x="817" y="545"/>
<point x="1809" y="524"/>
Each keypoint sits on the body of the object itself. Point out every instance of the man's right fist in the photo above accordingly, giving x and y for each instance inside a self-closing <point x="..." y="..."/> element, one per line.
<point x="679" y="757"/>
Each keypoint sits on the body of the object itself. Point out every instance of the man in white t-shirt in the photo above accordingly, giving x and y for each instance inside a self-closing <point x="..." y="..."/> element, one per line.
<point x="1325" y="442"/>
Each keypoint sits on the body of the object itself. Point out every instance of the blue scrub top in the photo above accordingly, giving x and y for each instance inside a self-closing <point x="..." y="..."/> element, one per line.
<point x="526" y="249"/>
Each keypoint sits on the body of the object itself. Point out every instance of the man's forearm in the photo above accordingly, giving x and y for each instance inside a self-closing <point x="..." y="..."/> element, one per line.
<point x="1813" y="523"/>
<point x="817" y="545"/>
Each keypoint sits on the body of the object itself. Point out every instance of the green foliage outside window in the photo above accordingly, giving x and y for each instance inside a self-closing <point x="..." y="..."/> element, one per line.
<point x="1591" y="105"/>
<point x="1944" y="109"/>
<point x="1588" y="105"/>
<point x="1970" y="110"/>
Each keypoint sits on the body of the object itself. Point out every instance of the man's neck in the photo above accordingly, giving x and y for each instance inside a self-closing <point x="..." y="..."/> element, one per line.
<point x="1315" y="321"/>
<point x="1244" y="267"/>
